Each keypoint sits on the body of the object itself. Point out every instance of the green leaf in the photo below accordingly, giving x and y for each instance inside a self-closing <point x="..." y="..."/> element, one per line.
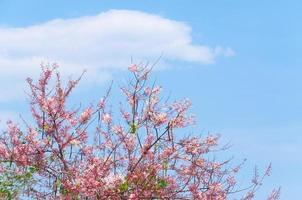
<point x="63" y="190"/>
<point x="133" y="128"/>
<point x="32" y="169"/>
<point x="124" y="187"/>
<point x="46" y="127"/>
<point x="162" y="183"/>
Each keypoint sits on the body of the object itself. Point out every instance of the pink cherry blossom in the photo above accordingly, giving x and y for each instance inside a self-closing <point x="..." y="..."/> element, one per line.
<point x="85" y="115"/>
<point x="106" y="118"/>
<point x="66" y="153"/>
<point x="133" y="68"/>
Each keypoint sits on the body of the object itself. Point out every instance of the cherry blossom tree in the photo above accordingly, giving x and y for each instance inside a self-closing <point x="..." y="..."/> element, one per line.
<point x="86" y="153"/>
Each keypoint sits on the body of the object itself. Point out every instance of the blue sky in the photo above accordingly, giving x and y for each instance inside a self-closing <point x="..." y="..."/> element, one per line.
<point x="238" y="61"/>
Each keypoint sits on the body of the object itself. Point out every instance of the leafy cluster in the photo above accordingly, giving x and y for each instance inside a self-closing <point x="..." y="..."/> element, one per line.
<point x="83" y="153"/>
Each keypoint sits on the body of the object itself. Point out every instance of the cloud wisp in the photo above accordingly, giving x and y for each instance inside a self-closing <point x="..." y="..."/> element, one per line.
<point x="98" y="43"/>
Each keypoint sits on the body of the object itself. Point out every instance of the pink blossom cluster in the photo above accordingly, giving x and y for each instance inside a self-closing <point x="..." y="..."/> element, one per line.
<point x="142" y="155"/>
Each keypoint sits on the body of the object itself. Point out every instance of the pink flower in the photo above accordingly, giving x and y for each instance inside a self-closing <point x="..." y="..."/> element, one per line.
<point x="133" y="68"/>
<point x="147" y="91"/>
<point x="106" y="118"/>
<point x="102" y="103"/>
<point x="3" y="151"/>
<point x="211" y="141"/>
<point x="85" y="115"/>
<point x="85" y="162"/>
<point x="160" y="118"/>
<point x="118" y="129"/>
<point x="231" y="181"/>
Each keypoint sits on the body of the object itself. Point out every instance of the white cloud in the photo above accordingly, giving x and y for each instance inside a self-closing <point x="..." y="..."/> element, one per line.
<point x="97" y="43"/>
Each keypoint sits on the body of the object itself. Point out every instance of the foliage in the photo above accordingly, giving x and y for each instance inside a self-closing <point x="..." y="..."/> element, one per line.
<point x="86" y="154"/>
